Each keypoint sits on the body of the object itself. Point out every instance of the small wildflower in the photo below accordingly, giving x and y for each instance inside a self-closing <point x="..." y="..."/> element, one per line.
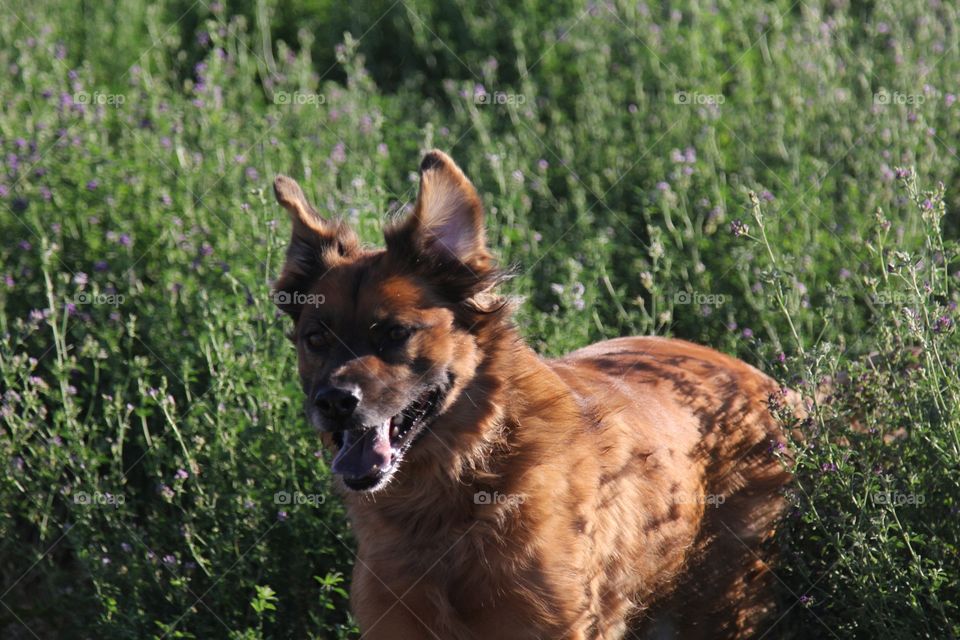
<point x="942" y="324"/>
<point x="339" y="153"/>
<point x="738" y="228"/>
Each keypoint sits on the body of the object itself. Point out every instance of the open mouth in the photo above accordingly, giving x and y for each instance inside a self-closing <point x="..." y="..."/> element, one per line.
<point x="367" y="457"/>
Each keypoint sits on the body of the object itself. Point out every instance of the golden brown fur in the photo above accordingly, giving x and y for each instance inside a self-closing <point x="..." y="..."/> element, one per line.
<point x="629" y="486"/>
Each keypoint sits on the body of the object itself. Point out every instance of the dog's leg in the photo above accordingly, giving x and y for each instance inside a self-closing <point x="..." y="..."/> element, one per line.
<point x="381" y="614"/>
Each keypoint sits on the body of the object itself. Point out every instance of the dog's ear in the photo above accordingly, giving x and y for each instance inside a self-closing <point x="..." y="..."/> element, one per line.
<point x="447" y="220"/>
<point x="316" y="244"/>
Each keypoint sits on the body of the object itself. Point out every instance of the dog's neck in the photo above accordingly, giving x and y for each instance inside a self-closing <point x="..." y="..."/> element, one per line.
<point x="463" y="453"/>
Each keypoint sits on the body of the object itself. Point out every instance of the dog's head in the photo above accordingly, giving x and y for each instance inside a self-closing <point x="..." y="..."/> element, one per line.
<point x="387" y="339"/>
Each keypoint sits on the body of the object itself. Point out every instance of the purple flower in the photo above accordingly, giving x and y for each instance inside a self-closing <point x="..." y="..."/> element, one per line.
<point x="124" y="239"/>
<point x="738" y="228"/>
<point x="281" y="515"/>
<point x="339" y="154"/>
<point x="181" y="474"/>
<point x="25" y="245"/>
<point x="92" y="185"/>
<point x="844" y="274"/>
<point x="542" y="164"/>
<point x="747" y="333"/>
<point x="169" y="560"/>
<point x="942" y="324"/>
<point x="252" y="174"/>
<point x="663" y="186"/>
<point x="126" y="547"/>
<point x="101" y="265"/>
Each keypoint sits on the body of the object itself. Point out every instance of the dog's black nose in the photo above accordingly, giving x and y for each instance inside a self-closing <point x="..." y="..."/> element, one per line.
<point x="337" y="403"/>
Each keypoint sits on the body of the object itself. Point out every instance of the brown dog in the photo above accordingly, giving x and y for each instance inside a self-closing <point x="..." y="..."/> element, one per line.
<point x="628" y="487"/>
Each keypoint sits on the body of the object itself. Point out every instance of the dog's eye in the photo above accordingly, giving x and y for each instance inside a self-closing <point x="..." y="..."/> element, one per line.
<point x="398" y="333"/>
<point x="318" y="340"/>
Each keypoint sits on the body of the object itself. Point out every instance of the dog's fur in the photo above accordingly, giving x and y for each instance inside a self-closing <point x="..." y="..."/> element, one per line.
<point x="627" y="487"/>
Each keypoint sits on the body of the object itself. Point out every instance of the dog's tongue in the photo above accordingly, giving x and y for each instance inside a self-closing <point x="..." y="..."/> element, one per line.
<point x="364" y="453"/>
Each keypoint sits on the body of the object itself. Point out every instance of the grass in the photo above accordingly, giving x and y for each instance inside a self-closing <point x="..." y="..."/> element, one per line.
<point x="765" y="178"/>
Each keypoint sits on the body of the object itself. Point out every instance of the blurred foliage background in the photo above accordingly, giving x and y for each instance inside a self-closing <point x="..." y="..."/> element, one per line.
<point x="775" y="179"/>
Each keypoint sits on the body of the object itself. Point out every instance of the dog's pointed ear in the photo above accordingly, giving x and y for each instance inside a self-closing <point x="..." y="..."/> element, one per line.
<point x="316" y="244"/>
<point x="447" y="219"/>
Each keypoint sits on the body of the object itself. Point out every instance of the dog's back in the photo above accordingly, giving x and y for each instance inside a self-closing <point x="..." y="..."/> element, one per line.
<point x="688" y="489"/>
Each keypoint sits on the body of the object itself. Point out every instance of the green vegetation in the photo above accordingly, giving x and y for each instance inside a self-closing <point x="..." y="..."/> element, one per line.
<point x="765" y="178"/>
